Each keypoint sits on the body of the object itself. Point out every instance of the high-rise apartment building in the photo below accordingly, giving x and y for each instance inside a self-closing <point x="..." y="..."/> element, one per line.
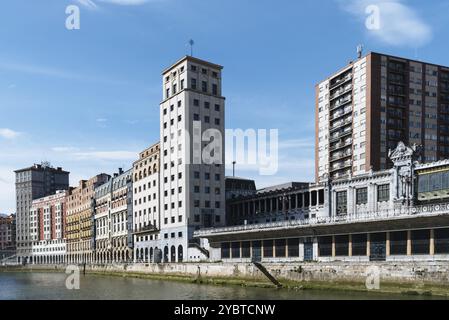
<point x="32" y="183"/>
<point x="192" y="178"/>
<point x="7" y="233"/>
<point x="80" y="220"/>
<point x="368" y="107"/>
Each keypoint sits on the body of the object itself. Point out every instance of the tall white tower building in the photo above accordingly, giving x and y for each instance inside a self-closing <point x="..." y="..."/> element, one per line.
<point x="192" y="191"/>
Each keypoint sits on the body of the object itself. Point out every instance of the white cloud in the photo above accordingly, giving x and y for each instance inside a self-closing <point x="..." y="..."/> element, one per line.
<point x="399" y="24"/>
<point x="102" y="120"/>
<point x="126" y="2"/>
<point x="88" y="4"/>
<point x="64" y="149"/>
<point x="297" y="144"/>
<point x="8" y="133"/>
<point x="106" y="155"/>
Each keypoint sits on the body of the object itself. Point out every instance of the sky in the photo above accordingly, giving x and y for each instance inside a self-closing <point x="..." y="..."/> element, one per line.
<point x="87" y="100"/>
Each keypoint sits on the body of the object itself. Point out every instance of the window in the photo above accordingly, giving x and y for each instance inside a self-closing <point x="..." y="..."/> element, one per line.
<point x="207" y="119"/>
<point x="193" y="83"/>
<point x="193" y="68"/>
<point x="342" y="202"/>
<point x="196" y="102"/>
<point x="217" y="107"/>
<point x="196" y="117"/>
<point x="207" y="105"/>
<point x="196" y="174"/>
<point x="204" y="86"/>
<point x="217" y="121"/>
<point x="214" y="89"/>
<point x="182" y="84"/>
<point x="383" y="193"/>
<point x="362" y="196"/>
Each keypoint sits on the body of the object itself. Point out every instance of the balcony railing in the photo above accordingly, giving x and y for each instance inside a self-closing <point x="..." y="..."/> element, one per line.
<point x="339" y="135"/>
<point x="369" y="216"/>
<point x="341" y="81"/>
<point x="341" y="91"/>
<point x="340" y="145"/>
<point x="341" y="102"/>
<point x="341" y="155"/>
<point x="341" y="113"/>
<point x="340" y="124"/>
<point x="343" y="165"/>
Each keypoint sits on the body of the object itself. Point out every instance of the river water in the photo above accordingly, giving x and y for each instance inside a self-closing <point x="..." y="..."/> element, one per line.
<point x="51" y="286"/>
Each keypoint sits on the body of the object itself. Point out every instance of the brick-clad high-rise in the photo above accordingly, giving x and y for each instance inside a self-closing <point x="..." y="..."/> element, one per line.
<point x="368" y="107"/>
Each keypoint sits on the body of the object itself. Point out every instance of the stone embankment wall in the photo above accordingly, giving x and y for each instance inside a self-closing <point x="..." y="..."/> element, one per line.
<point x="403" y="272"/>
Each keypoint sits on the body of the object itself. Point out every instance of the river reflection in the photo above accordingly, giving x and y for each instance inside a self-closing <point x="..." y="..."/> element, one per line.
<point x="51" y="286"/>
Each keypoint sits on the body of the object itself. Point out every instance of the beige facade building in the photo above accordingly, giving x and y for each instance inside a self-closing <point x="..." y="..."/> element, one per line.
<point x="80" y="220"/>
<point x="146" y="207"/>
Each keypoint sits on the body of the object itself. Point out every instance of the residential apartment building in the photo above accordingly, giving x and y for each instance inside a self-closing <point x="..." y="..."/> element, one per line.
<point x="192" y="178"/>
<point x="7" y="235"/>
<point x="32" y="183"/>
<point x="80" y="220"/>
<point x="368" y="107"/>
<point x="47" y="228"/>
<point x="113" y="219"/>
<point x="147" y="219"/>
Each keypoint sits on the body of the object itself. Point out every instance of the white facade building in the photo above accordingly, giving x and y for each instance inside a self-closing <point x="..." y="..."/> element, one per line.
<point x="192" y="192"/>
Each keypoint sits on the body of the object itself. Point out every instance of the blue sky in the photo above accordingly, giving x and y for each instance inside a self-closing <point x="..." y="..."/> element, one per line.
<point x="87" y="99"/>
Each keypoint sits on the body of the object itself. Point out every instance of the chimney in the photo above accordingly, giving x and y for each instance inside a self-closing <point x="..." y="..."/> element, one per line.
<point x="120" y="170"/>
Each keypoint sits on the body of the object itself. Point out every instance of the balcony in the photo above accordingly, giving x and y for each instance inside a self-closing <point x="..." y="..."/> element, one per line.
<point x="341" y="102"/>
<point x="341" y="113"/>
<point x="342" y="91"/>
<point x="341" y="166"/>
<point x="341" y="155"/>
<point x="337" y="136"/>
<point x="340" y="124"/>
<point x="341" y="145"/>
<point x="341" y="81"/>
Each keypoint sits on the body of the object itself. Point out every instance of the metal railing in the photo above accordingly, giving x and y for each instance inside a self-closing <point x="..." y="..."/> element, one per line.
<point x="417" y="211"/>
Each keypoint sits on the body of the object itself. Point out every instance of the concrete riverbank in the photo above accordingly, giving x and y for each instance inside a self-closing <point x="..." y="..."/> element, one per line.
<point x="417" y="278"/>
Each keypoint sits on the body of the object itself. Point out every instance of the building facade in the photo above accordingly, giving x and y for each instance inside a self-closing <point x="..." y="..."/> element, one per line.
<point x="113" y="219"/>
<point x="192" y="176"/>
<point x="80" y="220"/>
<point x="47" y="228"/>
<point x="7" y="235"/>
<point x="32" y="183"/>
<point x="368" y="107"/>
<point x="147" y="219"/>
<point x="399" y="214"/>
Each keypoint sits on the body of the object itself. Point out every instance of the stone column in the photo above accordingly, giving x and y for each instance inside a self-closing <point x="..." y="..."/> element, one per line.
<point x="333" y="247"/>
<point x="409" y="243"/>
<point x="368" y="244"/>
<point x="350" y="245"/>
<point x="387" y="249"/>
<point x="432" y="242"/>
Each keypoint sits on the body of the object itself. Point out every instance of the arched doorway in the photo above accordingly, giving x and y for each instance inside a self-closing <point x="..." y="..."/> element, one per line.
<point x="146" y="254"/>
<point x="166" y="254"/>
<point x="180" y="254"/>
<point x="151" y="255"/>
<point x="172" y="254"/>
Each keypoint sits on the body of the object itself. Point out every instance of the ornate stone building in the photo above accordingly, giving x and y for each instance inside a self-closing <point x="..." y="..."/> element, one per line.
<point x="391" y="215"/>
<point x="80" y="220"/>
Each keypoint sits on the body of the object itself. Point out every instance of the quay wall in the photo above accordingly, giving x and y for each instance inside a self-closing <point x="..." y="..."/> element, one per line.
<point x="419" y="272"/>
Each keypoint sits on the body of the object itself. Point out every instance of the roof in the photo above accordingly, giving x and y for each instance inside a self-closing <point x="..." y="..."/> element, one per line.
<point x="193" y="59"/>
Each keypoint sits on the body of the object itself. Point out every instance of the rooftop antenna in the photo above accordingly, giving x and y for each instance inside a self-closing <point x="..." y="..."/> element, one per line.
<point x="359" y="51"/>
<point x="191" y="43"/>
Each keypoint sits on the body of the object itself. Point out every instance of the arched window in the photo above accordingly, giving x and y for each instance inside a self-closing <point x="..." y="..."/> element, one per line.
<point x="166" y="254"/>
<point x="180" y="253"/>
<point x="173" y="254"/>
